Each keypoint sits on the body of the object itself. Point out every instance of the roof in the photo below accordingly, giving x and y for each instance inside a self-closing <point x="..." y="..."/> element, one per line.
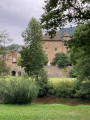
<point x="69" y="30"/>
<point x="64" y="32"/>
<point x="57" y="37"/>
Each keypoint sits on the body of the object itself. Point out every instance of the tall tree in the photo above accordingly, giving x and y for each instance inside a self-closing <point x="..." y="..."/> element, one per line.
<point x="4" y="39"/>
<point x="33" y="57"/>
<point x="79" y="46"/>
<point x="59" y="12"/>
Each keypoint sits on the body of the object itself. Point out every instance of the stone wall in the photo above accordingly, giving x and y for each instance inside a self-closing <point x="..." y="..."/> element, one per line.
<point x="55" y="72"/>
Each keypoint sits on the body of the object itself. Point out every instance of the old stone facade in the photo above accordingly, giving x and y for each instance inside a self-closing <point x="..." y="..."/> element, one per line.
<point x="11" y="61"/>
<point x="56" y="44"/>
<point x="53" y="46"/>
<point x="50" y="46"/>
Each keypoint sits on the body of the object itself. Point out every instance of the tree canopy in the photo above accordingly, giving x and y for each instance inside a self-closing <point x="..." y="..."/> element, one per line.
<point x="33" y="57"/>
<point x="59" y="12"/>
<point x="4" y="39"/>
<point x="61" y="59"/>
<point x="79" y="47"/>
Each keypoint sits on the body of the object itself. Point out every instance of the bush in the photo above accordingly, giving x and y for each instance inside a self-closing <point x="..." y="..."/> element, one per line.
<point x="4" y="69"/>
<point x="61" y="60"/>
<point x="73" y="74"/>
<point x="22" y="91"/>
<point x="83" y="91"/>
<point x="42" y="83"/>
<point x="66" y="89"/>
<point x="51" y="89"/>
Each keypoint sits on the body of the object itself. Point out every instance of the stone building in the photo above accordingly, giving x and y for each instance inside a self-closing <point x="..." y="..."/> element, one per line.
<point x="11" y="61"/>
<point x="56" y="44"/>
<point x="50" y="46"/>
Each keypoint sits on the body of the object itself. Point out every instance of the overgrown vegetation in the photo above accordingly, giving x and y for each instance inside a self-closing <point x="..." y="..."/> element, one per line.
<point x="3" y="67"/>
<point x="60" y="87"/>
<point x="69" y="88"/>
<point x="72" y="73"/>
<point x="42" y="83"/>
<point x="17" y="91"/>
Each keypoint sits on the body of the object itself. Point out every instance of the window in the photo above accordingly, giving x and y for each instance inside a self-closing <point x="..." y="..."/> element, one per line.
<point x="55" y="49"/>
<point x="46" y="48"/>
<point x="14" y="60"/>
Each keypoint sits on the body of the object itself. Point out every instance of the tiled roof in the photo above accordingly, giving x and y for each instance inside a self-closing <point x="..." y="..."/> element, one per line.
<point x="65" y="32"/>
<point x="56" y="37"/>
<point x="69" y="30"/>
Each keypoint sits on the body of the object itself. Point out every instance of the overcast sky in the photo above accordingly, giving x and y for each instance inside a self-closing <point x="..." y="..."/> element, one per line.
<point x="16" y="14"/>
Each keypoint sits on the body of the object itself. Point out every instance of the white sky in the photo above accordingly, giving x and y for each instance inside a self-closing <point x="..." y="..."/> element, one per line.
<point x="16" y="14"/>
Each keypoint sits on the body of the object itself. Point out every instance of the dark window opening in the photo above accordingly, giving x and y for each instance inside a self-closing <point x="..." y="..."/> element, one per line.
<point x="13" y="73"/>
<point x="55" y="49"/>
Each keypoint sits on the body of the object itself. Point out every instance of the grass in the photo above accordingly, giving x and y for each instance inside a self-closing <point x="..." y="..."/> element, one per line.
<point x="50" y="79"/>
<point x="44" y="112"/>
<point x="56" y="81"/>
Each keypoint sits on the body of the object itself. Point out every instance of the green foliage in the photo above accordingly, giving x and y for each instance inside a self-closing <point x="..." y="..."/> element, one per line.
<point x="61" y="60"/>
<point x="19" y="60"/>
<point x="33" y="56"/>
<point x="42" y="83"/>
<point x="80" y="51"/>
<point x="72" y="73"/>
<point x="12" y="47"/>
<point x="83" y="91"/>
<point x="22" y="91"/>
<point x="66" y="89"/>
<point x="3" y="67"/>
<point x="4" y="39"/>
<point x="58" y="12"/>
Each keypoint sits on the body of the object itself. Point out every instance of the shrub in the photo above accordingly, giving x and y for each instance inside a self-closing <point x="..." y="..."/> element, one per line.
<point x="22" y="91"/>
<point x="72" y="73"/>
<point x="4" y="69"/>
<point x="66" y="89"/>
<point x="42" y="83"/>
<point x="83" y="91"/>
<point x="51" y="89"/>
<point x="61" y="60"/>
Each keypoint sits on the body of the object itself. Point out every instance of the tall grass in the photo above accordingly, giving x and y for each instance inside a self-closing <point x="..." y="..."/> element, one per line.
<point x="17" y="91"/>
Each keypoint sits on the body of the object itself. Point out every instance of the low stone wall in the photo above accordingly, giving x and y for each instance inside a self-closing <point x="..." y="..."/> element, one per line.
<point x="55" y="72"/>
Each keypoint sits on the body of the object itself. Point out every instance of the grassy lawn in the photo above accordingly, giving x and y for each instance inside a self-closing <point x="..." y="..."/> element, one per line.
<point x="50" y="79"/>
<point x="44" y="112"/>
<point x="58" y="80"/>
